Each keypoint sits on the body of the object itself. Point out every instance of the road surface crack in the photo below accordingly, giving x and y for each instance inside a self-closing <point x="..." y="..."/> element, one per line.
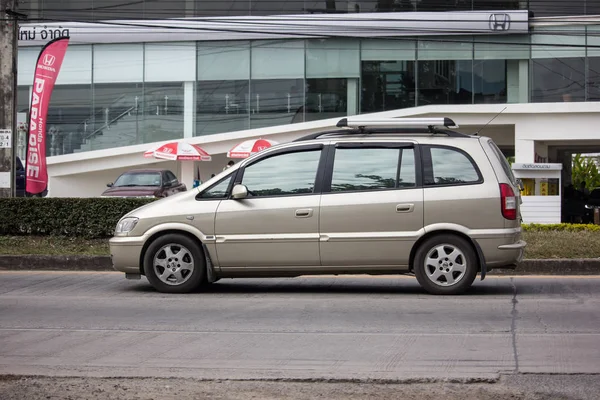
<point x="513" y="325"/>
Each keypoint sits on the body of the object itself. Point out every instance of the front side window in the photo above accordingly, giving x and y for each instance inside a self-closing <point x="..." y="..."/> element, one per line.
<point x="283" y="174"/>
<point x="449" y="166"/>
<point x="217" y="191"/>
<point x="360" y="169"/>
<point x="171" y="177"/>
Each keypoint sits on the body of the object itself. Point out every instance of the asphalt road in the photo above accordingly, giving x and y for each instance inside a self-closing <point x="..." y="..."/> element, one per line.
<point x="315" y="328"/>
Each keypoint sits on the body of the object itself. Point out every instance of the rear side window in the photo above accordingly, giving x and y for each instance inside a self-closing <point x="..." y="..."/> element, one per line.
<point x="503" y="162"/>
<point x="363" y="168"/>
<point x="448" y="166"/>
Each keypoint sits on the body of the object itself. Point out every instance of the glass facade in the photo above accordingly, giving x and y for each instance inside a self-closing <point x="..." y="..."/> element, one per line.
<point x="152" y="9"/>
<point x="113" y="95"/>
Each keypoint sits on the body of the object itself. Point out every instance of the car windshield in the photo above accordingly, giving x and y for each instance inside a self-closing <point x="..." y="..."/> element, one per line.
<point x="138" y="179"/>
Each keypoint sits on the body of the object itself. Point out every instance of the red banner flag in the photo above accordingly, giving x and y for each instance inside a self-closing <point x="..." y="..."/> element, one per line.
<point x="47" y="68"/>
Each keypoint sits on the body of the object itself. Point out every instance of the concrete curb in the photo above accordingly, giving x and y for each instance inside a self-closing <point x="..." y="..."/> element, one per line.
<point x="586" y="266"/>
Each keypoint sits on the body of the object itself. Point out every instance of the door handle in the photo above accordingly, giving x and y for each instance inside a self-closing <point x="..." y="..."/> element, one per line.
<point x="304" y="213"/>
<point x="405" y="208"/>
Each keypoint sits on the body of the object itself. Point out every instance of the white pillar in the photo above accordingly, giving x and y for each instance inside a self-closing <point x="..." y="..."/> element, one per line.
<point x="523" y="81"/>
<point x="352" y="96"/>
<point x="189" y="109"/>
<point x="187" y="173"/>
<point x="524" y="146"/>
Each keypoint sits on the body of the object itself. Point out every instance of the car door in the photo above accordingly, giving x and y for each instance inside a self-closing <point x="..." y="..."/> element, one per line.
<point x="277" y="225"/>
<point x="372" y="205"/>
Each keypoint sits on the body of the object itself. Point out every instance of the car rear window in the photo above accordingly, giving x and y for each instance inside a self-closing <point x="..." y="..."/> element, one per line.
<point x="503" y="162"/>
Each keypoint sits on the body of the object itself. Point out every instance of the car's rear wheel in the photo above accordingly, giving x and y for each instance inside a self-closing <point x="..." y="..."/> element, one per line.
<point x="446" y="264"/>
<point x="174" y="263"/>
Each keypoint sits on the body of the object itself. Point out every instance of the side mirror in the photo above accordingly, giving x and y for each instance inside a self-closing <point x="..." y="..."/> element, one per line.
<point x="239" y="192"/>
<point x="109" y="184"/>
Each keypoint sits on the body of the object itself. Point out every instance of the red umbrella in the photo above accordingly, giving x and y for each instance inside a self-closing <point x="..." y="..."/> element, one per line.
<point x="249" y="147"/>
<point x="179" y="151"/>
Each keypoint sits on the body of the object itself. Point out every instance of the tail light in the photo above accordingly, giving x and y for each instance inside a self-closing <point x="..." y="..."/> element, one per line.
<point x="508" y="201"/>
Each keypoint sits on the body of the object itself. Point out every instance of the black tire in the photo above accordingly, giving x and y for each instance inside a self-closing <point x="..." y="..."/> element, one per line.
<point x="444" y="267"/>
<point x="165" y="279"/>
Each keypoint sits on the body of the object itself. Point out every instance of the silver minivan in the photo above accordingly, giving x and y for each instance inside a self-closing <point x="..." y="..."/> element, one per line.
<point x="391" y="196"/>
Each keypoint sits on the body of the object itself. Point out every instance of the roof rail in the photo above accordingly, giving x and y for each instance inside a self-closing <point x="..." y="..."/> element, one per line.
<point x="365" y="122"/>
<point x="384" y="131"/>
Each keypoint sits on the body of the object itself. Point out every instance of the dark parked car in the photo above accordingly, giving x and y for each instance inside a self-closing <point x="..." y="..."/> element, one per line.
<point x="145" y="183"/>
<point x="20" y="184"/>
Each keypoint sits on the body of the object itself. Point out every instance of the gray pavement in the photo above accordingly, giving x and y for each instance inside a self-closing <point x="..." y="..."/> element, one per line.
<point x="97" y="324"/>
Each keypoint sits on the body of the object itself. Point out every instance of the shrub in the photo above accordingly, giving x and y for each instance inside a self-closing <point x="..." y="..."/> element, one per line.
<point x="75" y="217"/>
<point x="561" y="227"/>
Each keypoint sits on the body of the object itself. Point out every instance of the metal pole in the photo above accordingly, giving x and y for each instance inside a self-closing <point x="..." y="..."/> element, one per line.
<point x="8" y="95"/>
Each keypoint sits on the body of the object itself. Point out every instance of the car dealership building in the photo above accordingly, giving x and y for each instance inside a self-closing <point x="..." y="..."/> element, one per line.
<point x="217" y="72"/>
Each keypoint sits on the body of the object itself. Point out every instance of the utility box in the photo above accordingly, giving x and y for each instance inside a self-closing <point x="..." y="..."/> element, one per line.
<point x="541" y="192"/>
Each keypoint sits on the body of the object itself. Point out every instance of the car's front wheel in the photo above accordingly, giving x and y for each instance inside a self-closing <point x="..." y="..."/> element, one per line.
<point x="174" y="263"/>
<point x="446" y="264"/>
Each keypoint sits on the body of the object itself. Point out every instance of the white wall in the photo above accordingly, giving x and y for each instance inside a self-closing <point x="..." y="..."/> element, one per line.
<point x="85" y="173"/>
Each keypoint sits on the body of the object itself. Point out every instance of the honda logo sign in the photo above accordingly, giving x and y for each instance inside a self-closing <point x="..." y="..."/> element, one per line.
<point x="49" y="60"/>
<point x="499" y="22"/>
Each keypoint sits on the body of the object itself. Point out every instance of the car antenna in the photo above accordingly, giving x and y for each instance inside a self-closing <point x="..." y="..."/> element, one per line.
<point x="490" y="121"/>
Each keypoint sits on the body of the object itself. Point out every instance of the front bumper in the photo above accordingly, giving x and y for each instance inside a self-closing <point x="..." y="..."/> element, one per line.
<point x="125" y="254"/>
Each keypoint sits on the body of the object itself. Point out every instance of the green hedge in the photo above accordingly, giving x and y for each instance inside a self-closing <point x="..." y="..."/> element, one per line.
<point x="97" y="217"/>
<point x="75" y="217"/>
<point x="561" y="227"/>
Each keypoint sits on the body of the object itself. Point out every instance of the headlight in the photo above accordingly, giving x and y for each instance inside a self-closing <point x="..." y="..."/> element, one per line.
<point x="588" y="207"/>
<point x="126" y="225"/>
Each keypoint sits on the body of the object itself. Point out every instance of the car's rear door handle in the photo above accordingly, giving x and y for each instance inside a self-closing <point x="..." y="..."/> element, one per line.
<point x="405" y="208"/>
<point x="304" y="213"/>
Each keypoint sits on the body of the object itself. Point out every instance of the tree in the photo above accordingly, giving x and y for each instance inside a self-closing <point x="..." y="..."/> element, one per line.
<point x="584" y="169"/>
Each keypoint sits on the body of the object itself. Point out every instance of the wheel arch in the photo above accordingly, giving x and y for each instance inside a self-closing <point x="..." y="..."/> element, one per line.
<point x="160" y="233"/>
<point x="439" y="232"/>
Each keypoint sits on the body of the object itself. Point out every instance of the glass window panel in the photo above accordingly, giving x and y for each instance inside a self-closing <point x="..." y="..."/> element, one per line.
<point x="384" y="50"/>
<point x="276" y="102"/>
<point x="270" y="7"/>
<point x="163" y="9"/>
<point x="387" y="85"/>
<point x="551" y="8"/>
<point x="118" y="63"/>
<point x="558" y="80"/>
<point x="593" y="41"/>
<point x="285" y="174"/>
<point x="450" y="50"/>
<point x="408" y="173"/>
<point x="68" y="120"/>
<point x="170" y="62"/>
<point x="65" y="10"/>
<point x="277" y="59"/>
<point x="326" y="98"/>
<point x="450" y="167"/>
<point x="223" y="61"/>
<point x="160" y="116"/>
<point x="593" y="82"/>
<point x="218" y="191"/>
<point x="445" y="82"/>
<point x="115" y="9"/>
<point x="332" y="58"/>
<point x="219" y="8"/>
<point x="27" y="57"/>
<point x="222" y="106"/>
<point x="562" y="42"/>
<point x="372" y="169"/>
<point x="485" y="5"/>
<point x="489" y="78"/>
<point x="117" y="115"/>
<point x="77" y="66"/>
<point x="506" y="47"/>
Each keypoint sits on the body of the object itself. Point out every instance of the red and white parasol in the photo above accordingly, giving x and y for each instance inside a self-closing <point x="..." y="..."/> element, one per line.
<point x="249" y="147"/>
<point x="179" y="151"/>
